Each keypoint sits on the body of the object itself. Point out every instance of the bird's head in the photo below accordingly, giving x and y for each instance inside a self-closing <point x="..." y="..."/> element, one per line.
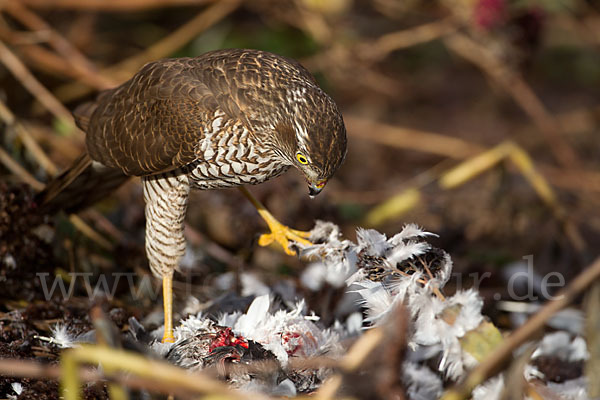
<point x="313" y="137"/>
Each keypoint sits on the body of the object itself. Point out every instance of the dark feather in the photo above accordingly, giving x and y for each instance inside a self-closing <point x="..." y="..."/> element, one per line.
<point x="79" y="186"/>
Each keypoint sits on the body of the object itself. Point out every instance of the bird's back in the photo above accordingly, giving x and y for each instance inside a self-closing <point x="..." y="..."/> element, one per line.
<point x="153" y="122"/>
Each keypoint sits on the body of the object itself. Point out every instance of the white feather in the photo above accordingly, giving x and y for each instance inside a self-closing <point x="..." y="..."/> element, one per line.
<point x="409" y="231"/>
<point x="373" y="242"/>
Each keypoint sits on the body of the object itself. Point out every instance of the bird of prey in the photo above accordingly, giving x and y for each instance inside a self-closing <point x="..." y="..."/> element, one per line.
<point x="224" y="119"/>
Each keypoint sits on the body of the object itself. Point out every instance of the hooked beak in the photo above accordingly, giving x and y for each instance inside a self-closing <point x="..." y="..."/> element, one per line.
<point x="315" y="188"/>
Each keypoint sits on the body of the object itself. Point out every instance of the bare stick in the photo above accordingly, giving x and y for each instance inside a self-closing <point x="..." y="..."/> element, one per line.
<point x="112" y="5"/>
<point x="159" y="371"/>
<point x="36" y="370"/>
<point x="495" y="361"/>
<point x="71" y="55"/>
<point x="414" y="139"/>
<point x="20" y="71"/>
<point x="357" y="354"/>
<point x="380" y="48"/>
<point x="19" y="171"/>
<point x="34" y="148"/>
<point x="523" y="95"/>
<point x="179" y="38"/>
<point x="164" y="47"/>
<point x="455" y="148"/>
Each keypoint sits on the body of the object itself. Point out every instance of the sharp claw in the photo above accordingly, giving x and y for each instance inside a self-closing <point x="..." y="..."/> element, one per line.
<point x="284" y="235"/>
<point x="266" y="239"/>
<point x="302" y="234"/>
<point x="289" y="251"/>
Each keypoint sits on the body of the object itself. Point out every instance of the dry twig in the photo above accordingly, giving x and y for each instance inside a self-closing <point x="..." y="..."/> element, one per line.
<point x="524" y="96"/>
<point x="28" y="141"/>
<point x="496" y="361"/>
<point x="19" y="171"/>
<point x="122" y="71"/>
<point x="413" y="139"/>
<point x="166" y="376"/>
<point x="72" y="59"/>
<point x="20" y="71"/>
<point x="112" y="5"/>
<point x="380" y="48"/>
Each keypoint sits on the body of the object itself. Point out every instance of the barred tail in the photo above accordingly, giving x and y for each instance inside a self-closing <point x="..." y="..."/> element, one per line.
<point x="80" y="186"/>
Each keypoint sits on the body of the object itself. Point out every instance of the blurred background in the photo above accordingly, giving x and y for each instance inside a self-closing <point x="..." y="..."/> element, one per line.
<point x="476" y="119"/>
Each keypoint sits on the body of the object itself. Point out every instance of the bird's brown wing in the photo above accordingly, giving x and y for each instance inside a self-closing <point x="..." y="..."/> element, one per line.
<point x="151" y="123"/>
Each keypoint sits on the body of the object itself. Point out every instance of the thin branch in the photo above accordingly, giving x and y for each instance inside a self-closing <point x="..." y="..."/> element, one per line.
<point x="60" y="147"/>
<point x="36" y="370"/>
<point x="355" y="356"/>
<point x="28" y="141"/>
<point x="48" y="61"/>
<point x="407" y="138"/>
<point x="177" y="39"/>
<point x="20" y="71"/>
<point x="88" y="231"/>
<point x="495" y="361"/>
<point x="163" y="48"/>
<point x="112" y="5"/>
<point x="167" y="375"/>
<point x="522" y="93"/>
<point x="19" y="171"/>
<point x="378" y="49"/>
<point x="71" y="56"/>
<point x="455" y="148"/>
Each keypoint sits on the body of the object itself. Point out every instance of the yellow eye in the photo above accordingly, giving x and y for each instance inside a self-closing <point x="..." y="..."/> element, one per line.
<point x="301" y="158"/>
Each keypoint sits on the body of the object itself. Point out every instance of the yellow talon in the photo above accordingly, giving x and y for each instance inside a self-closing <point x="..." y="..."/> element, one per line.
<point x="280" y="233"/>
<point x="283" y="235"/>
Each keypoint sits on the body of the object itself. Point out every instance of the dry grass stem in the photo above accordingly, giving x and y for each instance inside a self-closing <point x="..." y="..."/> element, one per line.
<point x="88" y="231"/>
<point x="413" y="139"/>
<point x="48" y="61"/>
<point x="575" y="180"/>
<point x="63" y="148"/>
<point x="30" y="82"/>
<point x="179" y="38"/>
<point x="213" y="249"/>
<point x="312" y="23"/>
<point x="168" y="376"/>
<point x="36" y="370"/>
<point x="474" y="166"/>
<point x="528" y="331"/>
<point x="510" y="81"/>
<point x="122" y="71"/>
<point x="455" y="148"/>
<point x="28" y="141"/>
<point x="19" y="171"/>
<point x="70" y="55"/>
<point x="112" y="5"/>
<point x="393" y="206"/>
<point x="104" y="223"/>
<point x="381" y="47"/>
<point x="355" y="356"/>
<point x="592" y="335"/>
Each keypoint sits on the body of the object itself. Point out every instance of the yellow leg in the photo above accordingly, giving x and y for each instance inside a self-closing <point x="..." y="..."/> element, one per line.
<point x="279" y="233"/>
<point x="168" y="308"/>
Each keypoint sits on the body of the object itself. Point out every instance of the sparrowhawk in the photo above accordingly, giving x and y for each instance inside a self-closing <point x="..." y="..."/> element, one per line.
<point x="226" y="118"/>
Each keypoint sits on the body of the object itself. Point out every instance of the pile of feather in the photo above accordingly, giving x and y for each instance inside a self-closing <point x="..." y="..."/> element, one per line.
<point x="277" y="346"/>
